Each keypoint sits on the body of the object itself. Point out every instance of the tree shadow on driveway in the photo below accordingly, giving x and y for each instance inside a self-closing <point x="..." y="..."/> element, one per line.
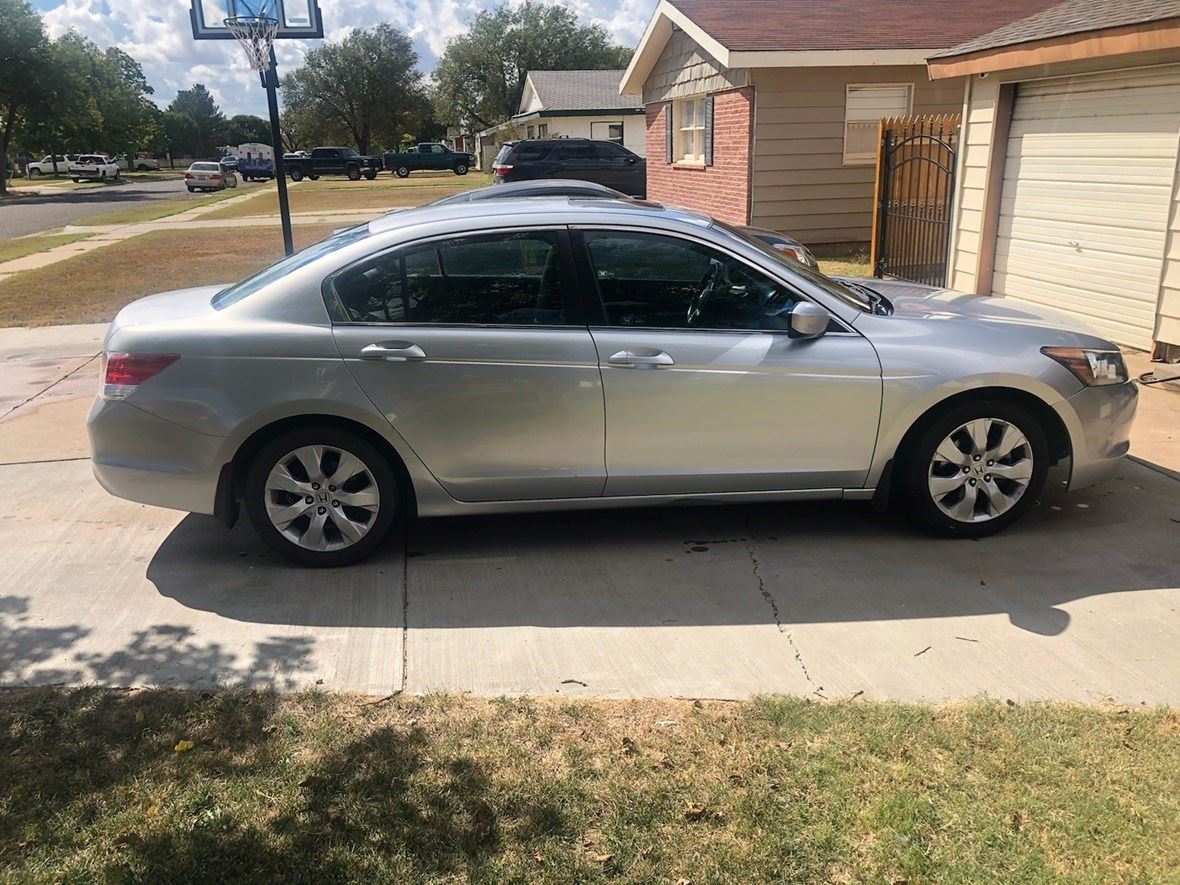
<point x="700" y="566"/>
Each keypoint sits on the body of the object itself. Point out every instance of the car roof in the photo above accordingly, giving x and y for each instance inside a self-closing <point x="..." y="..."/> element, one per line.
<point x="543" y="210"/>
<point x="556" y="187"/>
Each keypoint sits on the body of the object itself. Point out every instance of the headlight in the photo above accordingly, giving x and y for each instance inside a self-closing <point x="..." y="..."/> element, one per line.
<point x="1093" y="368"/>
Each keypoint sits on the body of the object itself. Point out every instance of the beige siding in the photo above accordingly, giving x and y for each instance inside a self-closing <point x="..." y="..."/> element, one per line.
<point x="1167" y="327"/>
<point x="976" y="136"/>
<point x="684" y="69"/>
<point x="800" y="183"/>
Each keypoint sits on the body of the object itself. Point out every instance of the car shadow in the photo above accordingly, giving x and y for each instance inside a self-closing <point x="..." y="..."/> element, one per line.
<point x="819" y="562"/>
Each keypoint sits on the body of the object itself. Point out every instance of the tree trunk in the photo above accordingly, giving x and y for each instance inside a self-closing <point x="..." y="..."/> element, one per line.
<point x="5" y="135"/>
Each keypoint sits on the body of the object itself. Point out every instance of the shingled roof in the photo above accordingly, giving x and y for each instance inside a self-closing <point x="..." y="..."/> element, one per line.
<point x="786" y="25"/>
<point x="579" y="91"/>
<point x="1070" y="17"/>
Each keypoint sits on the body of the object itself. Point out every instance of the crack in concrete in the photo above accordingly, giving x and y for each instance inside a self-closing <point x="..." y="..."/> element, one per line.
<point x="68" y="374"/>
<point x="773" y="603"/>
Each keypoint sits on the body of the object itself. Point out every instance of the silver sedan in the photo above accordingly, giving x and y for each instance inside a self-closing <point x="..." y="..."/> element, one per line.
<point x="552" y="352"/>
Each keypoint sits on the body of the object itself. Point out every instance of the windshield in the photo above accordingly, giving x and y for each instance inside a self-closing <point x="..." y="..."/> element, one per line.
<point x="279" y="269"/>
<point x="848" y="295"/>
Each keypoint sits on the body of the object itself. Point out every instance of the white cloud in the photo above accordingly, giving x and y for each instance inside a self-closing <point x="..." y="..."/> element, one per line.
<point x="159" y="36"/>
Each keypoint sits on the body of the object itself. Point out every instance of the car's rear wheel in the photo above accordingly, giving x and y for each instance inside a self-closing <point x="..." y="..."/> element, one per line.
<point x="353" y="173"/>
<point x="977" y="468"/>
<point x="371" y="174"/>
<point x="461" y="169"/>
<point x="322" y="496"/>
<point x="402" y="172"/>
<point x="33" y="173"/>
<point x="297" y="174"/>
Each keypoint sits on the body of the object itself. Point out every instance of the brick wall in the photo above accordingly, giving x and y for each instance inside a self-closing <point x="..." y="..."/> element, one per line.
<point x="721" y="190"/>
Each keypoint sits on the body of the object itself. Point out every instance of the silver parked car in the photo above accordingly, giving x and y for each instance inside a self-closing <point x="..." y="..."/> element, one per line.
<point x="209" y="176"/>
<point x="549" y="353"/>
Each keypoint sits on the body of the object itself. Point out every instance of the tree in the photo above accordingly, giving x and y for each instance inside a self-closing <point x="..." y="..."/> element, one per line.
<point x="182" y="135"/>
<point x="247" y="128"/>
<point x="364" y="88"/>
<point x="198" y="105"/>
<point x="24" y="66"/>
<point x="481" y="74"/>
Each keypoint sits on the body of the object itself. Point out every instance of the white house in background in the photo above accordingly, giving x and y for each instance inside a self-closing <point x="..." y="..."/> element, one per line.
<point x="572" y="104"/>
<point x="250" y="150"/>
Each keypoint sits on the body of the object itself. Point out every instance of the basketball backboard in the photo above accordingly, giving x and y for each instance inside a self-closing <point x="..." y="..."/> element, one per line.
<point x="298" y="19"/>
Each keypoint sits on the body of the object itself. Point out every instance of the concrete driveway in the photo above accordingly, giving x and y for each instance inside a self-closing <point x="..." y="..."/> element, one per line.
<point x="1079" y="602"/>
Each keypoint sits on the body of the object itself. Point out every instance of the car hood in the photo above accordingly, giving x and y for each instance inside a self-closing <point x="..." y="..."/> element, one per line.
<point x="179" y="304"/>
<point x="917" y="301"/>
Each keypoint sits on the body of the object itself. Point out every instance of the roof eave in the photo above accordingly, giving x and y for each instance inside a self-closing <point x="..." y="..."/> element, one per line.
<point x="659" y="30"/>
<point x="1153" y="36"/>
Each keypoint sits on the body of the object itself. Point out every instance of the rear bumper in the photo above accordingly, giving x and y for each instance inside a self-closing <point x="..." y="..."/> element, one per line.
<point x="147" y="459"/>
<point x="1099" y="422"/>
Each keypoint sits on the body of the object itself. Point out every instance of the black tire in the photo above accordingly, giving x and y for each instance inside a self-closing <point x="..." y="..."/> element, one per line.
<point x="389" y="511"/>
<point x="461" y="169"/>
<point x="142" y="168"/>
<point x="33" y="173"/>
<point x="917" y="468"/>
<point x="76" y="180"/>
<point x="371" y="174"/>
<point x="192" y="190"/>
<point x="296" y="174"/>
<point x="353" y="173"/>
<point x="314" y="177"/>
<point x="402" y="172"/>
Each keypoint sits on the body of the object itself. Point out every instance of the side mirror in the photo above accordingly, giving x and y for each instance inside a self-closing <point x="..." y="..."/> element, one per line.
<point x="808" y="320"/>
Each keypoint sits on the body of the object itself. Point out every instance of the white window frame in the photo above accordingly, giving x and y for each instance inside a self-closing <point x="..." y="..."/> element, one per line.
<point x="688" y="141"/>
<point x="869" y="158"/>
<point x="607" y="137"/>
<point x="542" y="130"/>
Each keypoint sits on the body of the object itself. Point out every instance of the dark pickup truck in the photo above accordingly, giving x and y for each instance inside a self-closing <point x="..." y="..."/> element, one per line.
<point x="333" y="161"/>
<point x="428" y="155"/>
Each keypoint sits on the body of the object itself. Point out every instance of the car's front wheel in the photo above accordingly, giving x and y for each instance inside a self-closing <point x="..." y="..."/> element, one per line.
<point x="370" y="175"/>
<point x="353" y="173"/>
<point x="977" y="468"/>
<point x="322" y="496"/>
<point x="296" y="174"/>
<point x="33" y="173"/>
<point x="402" y="171"/>
<point x="461" y="169"/>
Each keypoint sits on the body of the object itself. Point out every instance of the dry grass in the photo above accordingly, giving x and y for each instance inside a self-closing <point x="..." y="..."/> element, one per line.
<point x="153" y="209"/>
<point x="22" y="246"/>
<point x="93" y="287"/>
<point x="339" y="195"/>
<point x="843" y="259"/>
<point x="320" y="788"/>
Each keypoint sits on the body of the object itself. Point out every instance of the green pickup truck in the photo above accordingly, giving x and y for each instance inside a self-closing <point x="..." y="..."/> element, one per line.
<point x="428" y="155"/>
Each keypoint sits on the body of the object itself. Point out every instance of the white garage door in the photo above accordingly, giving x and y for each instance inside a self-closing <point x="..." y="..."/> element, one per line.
<point x="1087" y="190"/>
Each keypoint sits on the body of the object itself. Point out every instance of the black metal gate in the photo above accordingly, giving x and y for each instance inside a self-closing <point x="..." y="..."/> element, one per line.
<point x="914" y="194"/>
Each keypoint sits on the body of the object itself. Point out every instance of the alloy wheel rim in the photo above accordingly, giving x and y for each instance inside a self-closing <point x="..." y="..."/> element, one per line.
<point x="322" y="498"/>
<point x="980" y="470"/>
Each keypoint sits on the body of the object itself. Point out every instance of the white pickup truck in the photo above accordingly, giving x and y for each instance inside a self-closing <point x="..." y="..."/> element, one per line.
<point x="127" y="162"/>
<point x="93" y="166"/>
<point x="44" y="166"/>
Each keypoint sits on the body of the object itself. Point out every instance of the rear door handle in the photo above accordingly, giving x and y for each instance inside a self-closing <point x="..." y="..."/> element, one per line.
<point x="393" y="352"/>
<point x="641" y="359"/>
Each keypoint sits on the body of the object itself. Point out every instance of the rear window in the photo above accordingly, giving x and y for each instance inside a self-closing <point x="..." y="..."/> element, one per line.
<point x="205" y="167"/>
<point x="527" y="152"/>
<point x="280" y="269"/>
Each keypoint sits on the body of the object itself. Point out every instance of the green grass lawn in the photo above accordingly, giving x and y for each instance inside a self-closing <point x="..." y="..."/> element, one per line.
<point x="843" y="260"/>
<point x="169" y="786"/>
<point x="22" y="246"/>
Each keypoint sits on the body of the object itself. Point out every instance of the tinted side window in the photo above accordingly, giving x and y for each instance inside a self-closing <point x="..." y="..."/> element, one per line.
<point x="498" y="279"/>
<point x="582" y="151"/>
<point x="648" y="280"/>
<point x="527" y="152"/>
<point x="608" y="151"/>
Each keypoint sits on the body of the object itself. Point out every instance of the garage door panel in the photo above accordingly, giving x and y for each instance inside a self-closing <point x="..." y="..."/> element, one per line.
<point x="1087" y="197"/>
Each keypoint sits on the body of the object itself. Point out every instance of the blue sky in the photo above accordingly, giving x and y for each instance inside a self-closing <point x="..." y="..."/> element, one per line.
<point x="158" y="34"/>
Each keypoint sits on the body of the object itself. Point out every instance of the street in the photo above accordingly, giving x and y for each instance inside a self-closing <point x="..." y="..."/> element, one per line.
<point x="28" y="215"/>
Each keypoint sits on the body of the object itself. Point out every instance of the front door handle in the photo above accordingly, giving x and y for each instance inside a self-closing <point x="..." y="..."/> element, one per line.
<point x="393" y="352"/>
<point x="644" y="358"/>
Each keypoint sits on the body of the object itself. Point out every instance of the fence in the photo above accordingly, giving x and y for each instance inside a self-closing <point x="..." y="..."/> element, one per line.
<point x="915" y="190"/>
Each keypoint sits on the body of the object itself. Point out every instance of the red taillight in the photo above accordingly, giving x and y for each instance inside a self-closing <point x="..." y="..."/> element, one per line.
<point x="123" y="372"/>
<point x="215" y="177"/>
<point x="188" y="175"/>
<point x="501" y="169"/>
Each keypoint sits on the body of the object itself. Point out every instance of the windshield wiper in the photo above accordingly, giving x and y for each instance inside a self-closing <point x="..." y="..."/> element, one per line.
<point x="877" y="302"/>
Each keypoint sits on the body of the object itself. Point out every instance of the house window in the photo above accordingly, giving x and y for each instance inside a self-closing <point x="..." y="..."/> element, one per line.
<point x="532" y="132"/>
<point x="542" y="130"/>
<point x="864" y="106"/>
<point x="607" y="131"/>
<point x="688" y="117"/>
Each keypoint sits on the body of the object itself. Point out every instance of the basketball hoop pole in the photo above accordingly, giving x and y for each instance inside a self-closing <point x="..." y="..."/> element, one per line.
<point x="270" y="79"/>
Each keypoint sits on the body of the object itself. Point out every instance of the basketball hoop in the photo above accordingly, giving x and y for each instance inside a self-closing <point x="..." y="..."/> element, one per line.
<point x="256" y="34"/>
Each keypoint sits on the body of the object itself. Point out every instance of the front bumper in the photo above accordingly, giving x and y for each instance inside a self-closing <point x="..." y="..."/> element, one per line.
<point x="1099" y="423"/>
<point x="143" y="458"/>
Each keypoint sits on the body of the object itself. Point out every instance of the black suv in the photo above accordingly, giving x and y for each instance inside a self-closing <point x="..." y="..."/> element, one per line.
<point x="583" y="159"/>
